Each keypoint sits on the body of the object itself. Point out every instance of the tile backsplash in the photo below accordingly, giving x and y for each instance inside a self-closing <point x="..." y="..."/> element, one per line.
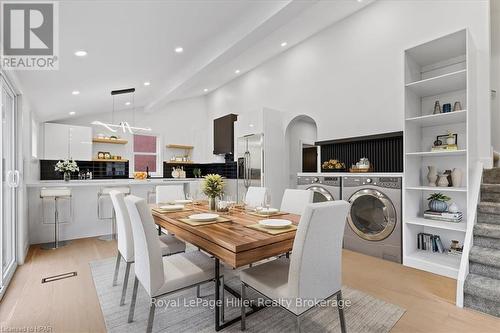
<point x="100" y="170"/>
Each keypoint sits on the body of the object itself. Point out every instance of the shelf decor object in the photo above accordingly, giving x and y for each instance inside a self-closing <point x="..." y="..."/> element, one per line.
<point x="109" y="140"/>
<point x="439" y="99"/>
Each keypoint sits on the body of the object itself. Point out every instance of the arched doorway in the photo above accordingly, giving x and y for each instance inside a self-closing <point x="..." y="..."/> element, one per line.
<point x="300" y="136"/>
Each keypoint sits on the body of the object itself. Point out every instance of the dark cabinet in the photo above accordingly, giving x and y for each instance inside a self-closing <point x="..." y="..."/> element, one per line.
<point x="224" y="135"/>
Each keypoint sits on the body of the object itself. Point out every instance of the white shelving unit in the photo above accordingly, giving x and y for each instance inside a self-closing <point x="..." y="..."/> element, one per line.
<point x="438" y="70"/>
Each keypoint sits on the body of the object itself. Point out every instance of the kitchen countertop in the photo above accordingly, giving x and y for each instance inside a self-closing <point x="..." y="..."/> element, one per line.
<point x="112" y="182"/>
<point x="350" y="174"/>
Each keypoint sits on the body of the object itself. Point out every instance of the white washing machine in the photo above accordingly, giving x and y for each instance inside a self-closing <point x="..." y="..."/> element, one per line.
<point x="325" y="188"/>
<point x="374" y="220"/>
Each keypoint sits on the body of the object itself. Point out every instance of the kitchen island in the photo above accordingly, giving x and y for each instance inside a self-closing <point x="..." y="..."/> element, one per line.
<point x="80" y="220"/>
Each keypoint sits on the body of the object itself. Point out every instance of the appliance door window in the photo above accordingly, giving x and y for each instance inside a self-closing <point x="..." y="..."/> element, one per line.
<point x="10" y="180"/>
<point x="321" y="194"/>
<point x="372" y="215"/>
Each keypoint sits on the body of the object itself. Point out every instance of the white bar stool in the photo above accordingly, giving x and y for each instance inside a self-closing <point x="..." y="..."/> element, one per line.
<point x="55" y="193"/>
<point x="102" y="194"/>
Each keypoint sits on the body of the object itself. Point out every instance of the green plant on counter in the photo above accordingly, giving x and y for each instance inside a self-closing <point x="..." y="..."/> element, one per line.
<point x="438" y="197"/>
<point x="213" y="185"/>
<point x="197" y="173"/>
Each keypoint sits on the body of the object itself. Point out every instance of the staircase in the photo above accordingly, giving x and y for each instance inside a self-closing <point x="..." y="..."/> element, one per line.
<point x="482" y="285"/>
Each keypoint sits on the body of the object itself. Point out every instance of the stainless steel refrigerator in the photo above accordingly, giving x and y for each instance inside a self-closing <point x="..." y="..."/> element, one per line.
<point x="250" y="152"/>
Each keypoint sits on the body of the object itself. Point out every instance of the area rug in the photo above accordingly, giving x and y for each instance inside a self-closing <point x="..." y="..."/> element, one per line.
<point x="365" y="313"/>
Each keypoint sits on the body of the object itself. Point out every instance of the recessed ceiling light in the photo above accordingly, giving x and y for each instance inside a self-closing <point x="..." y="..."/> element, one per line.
<point x="147" y="83"/>
<point x="205" y="90"/>
<point x="72" y="113"/>
<point x="179" y="49"/>
<point x="283" y="44"/>
<point x="81" y="53"/>
<point x="75" y="92"/>
<point x="127" y="103"/>
<point x="237" y="71"/>
<point x="360" y="0"/>
<point x="251" y="125"/>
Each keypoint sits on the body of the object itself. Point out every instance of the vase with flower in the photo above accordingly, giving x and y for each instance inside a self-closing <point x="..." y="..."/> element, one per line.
<point x="213" y="188"/>
<point x="67" y="167"/>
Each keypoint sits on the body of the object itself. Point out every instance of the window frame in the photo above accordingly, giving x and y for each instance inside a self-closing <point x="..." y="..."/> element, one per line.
<point x="159" y="170"/>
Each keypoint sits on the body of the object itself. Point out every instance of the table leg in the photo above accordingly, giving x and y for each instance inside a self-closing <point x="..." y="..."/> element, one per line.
<point x="218" y="324"/>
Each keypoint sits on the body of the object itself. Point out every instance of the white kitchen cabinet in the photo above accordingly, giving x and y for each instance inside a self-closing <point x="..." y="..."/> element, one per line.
<point x="67" y="141"/>
<point x="80" y="143"/>
<point x="249" y="123"/>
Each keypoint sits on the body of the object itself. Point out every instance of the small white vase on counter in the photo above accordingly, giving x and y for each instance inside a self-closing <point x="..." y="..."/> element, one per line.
<point x="456" y="177"/>
<point x="432" y="175"/>
<point x="443" y="180"/>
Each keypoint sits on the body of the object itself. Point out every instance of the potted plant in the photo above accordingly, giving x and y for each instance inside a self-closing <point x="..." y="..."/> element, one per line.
<point x="67" y="167"/>
<point x="437" y="202"/>
<point x="212" y="187"/>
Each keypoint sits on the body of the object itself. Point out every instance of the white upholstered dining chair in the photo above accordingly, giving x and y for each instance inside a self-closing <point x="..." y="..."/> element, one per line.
<point x="168" y="244"/>
<point x="169" y="193"/>
<point x="295" y="201"/>
<point x="255" y="196"/>
<point x="314" y="271"/>
<point x="160" y="277"/>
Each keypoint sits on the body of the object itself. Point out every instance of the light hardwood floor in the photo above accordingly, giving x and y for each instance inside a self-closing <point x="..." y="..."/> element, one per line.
<point x="71" y="305"/>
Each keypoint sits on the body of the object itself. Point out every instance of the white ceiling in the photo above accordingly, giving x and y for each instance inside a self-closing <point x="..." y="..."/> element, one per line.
<point x="130" y="42"/>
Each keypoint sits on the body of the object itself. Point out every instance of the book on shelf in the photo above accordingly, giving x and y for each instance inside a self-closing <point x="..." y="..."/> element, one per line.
<point x="429" y="243"/>
<point x="443" y="216"/>
<point x="444" y="148"/>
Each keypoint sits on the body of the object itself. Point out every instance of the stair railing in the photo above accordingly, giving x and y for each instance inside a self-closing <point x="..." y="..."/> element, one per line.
<point x="474" y="194"/>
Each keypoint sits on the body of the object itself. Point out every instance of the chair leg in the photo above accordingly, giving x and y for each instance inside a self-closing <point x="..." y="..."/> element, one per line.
<point x="132" y="301"/>
<point x="298" y="323"/>
<point x="198" y="293"/>
<point x="341" y="312"/>
<point x="151" y="316"/>
<point x="242" y="306"/>
<point x="125" y="283"/>
<point x="117" y="268"/>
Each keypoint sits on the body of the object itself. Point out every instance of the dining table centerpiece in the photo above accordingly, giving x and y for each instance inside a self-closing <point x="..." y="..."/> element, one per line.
<point x="213" y="188"/>
<point x="67" y="167"/>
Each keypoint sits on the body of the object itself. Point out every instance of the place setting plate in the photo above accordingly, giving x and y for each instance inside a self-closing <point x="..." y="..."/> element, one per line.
<point x="162" y="209"/>
<point x="204" y="219"/>
<point x="274" y="226"/>
<point x="266" y="212"/>
<point x="275" y="223"/>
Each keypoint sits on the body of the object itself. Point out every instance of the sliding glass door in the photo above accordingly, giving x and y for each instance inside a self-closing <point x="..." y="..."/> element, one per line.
<point x="10" y="180"/>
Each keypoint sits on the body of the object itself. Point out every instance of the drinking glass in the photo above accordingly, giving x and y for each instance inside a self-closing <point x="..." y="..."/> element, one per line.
<point x="189" y="196"/>
<point x="267" y="201"/>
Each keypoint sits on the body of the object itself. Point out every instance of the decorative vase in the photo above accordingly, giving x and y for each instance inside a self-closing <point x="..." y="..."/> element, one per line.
<point x="456" y="177"/>
<point x="446" y="108"/>
<point x="212" y="204"/>
<point x="437" y="108"/>
<point x="457" y="106"/>
<point x="438" y="206"/>
<point x="443" y="180"/>
<point x="432" y="175"/>
<point x="453" y="208"/>
<point x="67" y="176"/>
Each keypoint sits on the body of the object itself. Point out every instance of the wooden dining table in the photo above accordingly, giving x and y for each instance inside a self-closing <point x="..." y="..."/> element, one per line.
<point x="231" y="243"/>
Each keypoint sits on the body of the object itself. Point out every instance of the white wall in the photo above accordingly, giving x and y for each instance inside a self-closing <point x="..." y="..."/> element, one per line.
<point x="495" y="74"/>
<point x="182" y="122"/>
<point x="349" y="78"/>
